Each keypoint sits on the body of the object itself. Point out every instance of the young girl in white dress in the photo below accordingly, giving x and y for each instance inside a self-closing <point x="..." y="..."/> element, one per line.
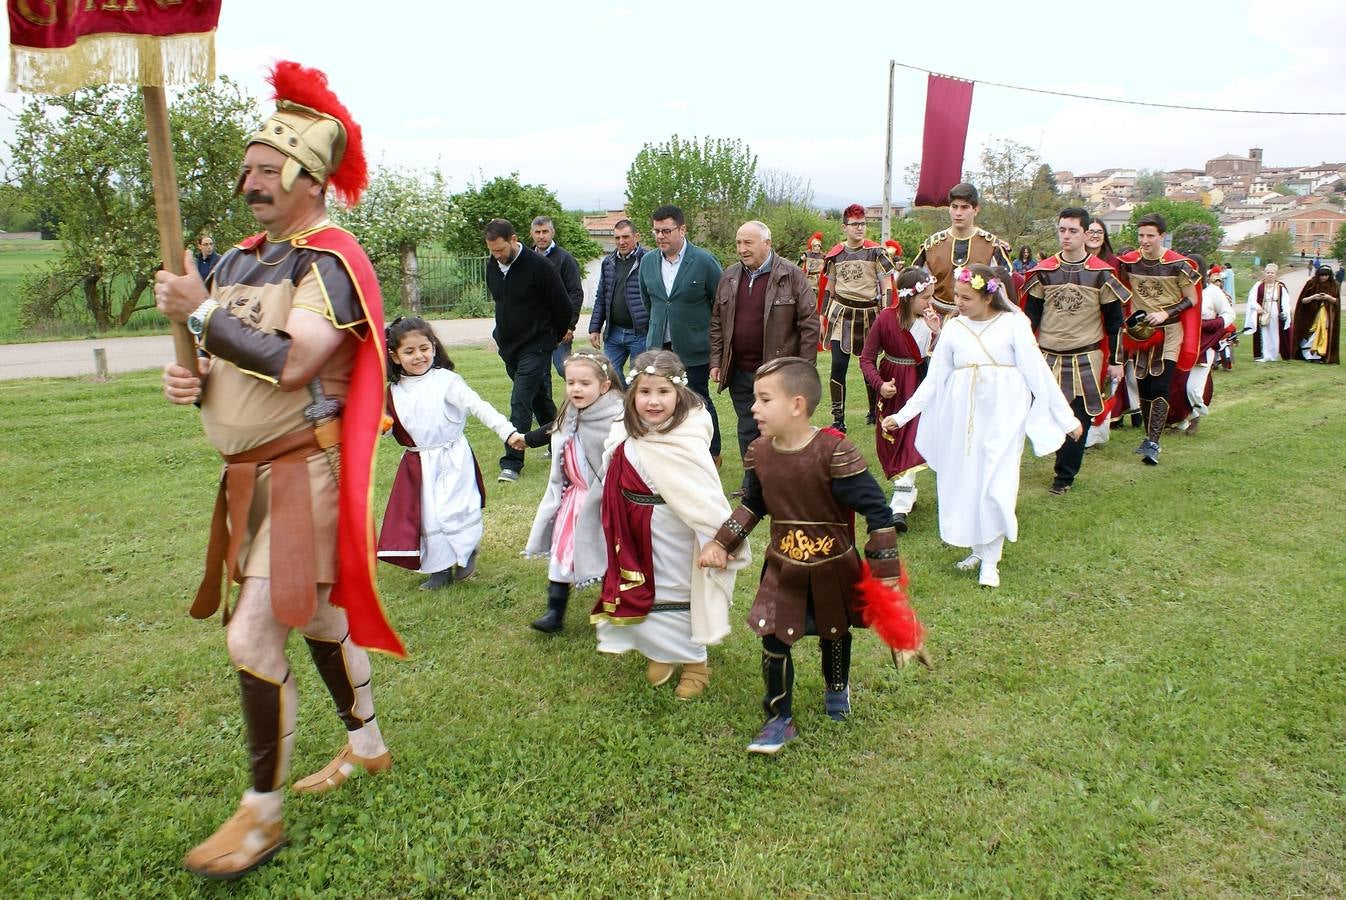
<point x="433" y="522"/>
<point x="987" y="387"/>
<point x="662" y="503"/>
<point x="568" y="528"/>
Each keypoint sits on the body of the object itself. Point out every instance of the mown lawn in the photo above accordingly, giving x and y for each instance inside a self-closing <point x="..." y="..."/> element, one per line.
<point x="1151" y="704"/>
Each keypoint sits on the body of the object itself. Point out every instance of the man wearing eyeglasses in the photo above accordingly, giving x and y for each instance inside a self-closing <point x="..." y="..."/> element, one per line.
<point x="961" y="244"/>
<point x="857" y="282"/>
<point x="677" y="286"/>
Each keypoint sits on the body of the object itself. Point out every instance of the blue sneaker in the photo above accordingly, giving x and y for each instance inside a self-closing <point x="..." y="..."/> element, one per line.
<point x="776" y="733"/>
<point x="838" y="704"/>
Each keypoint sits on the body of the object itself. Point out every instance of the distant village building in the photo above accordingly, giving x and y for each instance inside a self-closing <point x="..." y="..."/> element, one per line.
<point x="1229" y="164"/>
<point x="600" y="227"/>
<point x="1312" y="228"/>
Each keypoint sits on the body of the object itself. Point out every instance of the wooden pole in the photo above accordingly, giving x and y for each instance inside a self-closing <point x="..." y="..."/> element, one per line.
<point x="163" y="175"/>
<point x="99" y="364"/>
<point x="885" y="230"/>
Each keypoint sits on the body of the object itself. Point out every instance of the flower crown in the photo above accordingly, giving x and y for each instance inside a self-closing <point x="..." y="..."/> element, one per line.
<point x="594" y="358"/>
<point x="978" y="283"/>
<point x="679" y="378"/>
<point x="915" y="288"/>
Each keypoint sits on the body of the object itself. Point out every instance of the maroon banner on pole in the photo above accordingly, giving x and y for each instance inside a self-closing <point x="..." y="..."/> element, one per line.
<point x="948" y="105"/>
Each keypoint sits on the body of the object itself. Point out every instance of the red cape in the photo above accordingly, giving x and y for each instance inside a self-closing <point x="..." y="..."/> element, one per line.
<point x="355" y="590"/>
<point x="1190" y="318"/>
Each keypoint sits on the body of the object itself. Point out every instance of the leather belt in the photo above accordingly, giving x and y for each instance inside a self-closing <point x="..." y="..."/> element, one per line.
<point x="642" y="499"/>
<point x="294" y="587"/>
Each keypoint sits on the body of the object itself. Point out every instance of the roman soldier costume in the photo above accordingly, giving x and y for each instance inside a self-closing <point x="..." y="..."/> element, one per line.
<point x="811" y="583"/>
<point x="855" y="284"/>
<point x="298" y="472"/>
<point x="941" y="253"/>
<point x="1158" y="286"/>
<point x="1076" y="310"/>
<point x="811" y="260"/>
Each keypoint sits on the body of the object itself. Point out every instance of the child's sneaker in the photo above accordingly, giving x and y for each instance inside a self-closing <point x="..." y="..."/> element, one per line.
<point x="838" y="704"/>
<point x="776" y="733"/>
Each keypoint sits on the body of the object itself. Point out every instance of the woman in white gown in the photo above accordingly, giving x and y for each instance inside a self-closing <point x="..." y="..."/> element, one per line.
<point x="988" y="386"/>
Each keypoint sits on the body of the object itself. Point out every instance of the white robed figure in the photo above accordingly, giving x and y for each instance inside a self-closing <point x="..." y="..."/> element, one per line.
<point x="988" y="386"/>
<point x="433" y="408"/>
<point x="1267" y="314"/>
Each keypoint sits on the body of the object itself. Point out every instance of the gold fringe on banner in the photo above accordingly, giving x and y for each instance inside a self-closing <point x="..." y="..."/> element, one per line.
<point x="95" y="59"/>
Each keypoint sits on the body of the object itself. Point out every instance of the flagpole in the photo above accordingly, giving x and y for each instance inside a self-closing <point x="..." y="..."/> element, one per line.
<point x="163" y="177"/>
<point x="885" y="229"/>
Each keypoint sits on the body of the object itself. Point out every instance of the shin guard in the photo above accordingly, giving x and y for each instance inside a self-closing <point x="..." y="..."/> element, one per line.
<point x="836" y="662"/>
<point x="778" y="672"/>
<point x="268" y="716"/>
<point x="345" y="670"/>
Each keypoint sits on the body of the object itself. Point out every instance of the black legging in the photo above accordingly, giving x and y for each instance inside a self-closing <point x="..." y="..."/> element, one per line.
<point x="841" y="364"/>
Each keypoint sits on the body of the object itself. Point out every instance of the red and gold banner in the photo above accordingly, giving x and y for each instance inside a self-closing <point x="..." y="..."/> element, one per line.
<point x="948" y="105"/>
<point x="57" y="46"/>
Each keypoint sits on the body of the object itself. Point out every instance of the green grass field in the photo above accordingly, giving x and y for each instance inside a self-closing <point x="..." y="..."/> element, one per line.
<point x="20" y="259"/>
<point x="1151" y="704"/>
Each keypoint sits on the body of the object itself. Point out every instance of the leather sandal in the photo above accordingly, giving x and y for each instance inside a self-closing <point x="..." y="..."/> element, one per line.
<point x="334" y="774"/>
<point x="658" y="673"/>
<point x="695" y="678"/>
<point x="240" y="845"/>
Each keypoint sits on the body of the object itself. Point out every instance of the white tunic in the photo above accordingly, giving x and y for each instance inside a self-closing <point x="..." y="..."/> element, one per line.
<point x="664" y="635"/>
<point x="987" y="387"/>
<point x="433" y="408"/>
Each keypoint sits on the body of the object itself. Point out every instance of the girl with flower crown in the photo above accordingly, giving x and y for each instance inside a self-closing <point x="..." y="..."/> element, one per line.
<point x="893" y="363"/>
<point x="662" y="502"/>
<point x="988" y="386"/>
<point x="567" y="528"/>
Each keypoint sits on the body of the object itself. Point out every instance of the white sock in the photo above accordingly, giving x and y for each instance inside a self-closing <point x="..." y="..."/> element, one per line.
<point x="266" y="805"/>
<point x="366" y="741"/>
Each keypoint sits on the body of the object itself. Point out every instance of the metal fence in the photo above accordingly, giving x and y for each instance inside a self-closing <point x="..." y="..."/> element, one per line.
<point x="453" y="284"/>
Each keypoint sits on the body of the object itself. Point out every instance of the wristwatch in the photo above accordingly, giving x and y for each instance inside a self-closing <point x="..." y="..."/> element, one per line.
<point x="196" y="322"/>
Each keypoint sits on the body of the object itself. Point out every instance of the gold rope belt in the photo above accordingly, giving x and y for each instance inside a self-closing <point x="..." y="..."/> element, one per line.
<point x="972" y="395"/>
<point x="897" y="360"/>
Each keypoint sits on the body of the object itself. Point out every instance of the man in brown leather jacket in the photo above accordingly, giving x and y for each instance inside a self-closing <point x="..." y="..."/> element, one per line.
<point x="764" y="309"/>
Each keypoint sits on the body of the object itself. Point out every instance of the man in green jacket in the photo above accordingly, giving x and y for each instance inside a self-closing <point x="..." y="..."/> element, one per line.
<point x="677" y="285"/>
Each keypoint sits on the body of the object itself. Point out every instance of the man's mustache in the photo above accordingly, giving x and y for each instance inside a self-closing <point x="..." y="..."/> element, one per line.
<point x="258" y="197"/>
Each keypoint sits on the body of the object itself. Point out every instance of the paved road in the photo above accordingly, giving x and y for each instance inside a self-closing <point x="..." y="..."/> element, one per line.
<point x="56" y="359"/>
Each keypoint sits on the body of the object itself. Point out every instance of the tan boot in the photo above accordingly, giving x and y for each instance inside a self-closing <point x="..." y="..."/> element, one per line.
<point x="658" y="673"/>
<point x="237" y="847"/>
<point x="695" y="677"/>
<point x="334" y="774"/>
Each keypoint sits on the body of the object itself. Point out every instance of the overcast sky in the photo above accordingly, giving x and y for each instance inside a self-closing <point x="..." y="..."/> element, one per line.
<point x="566" y="93"/>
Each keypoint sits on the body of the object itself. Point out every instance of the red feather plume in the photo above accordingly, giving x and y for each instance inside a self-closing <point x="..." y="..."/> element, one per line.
<point x="308" y="87"/>
<point x="888" y="611"/>
<point x="895" y="245"/>
<point x="816" y="236"/>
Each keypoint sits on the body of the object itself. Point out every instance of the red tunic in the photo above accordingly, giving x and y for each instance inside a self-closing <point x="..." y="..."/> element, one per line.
<point x="891" y="354"/>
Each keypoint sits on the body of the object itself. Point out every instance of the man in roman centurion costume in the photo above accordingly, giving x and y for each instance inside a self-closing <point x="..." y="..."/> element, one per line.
<point x="1074" y="301"/>
<point x="855" y="284"/>
<point x="291" y="384"/>
<point x="1163" y="323"/>
<point x="811" y="260"/>
<point x="961" y="244"/>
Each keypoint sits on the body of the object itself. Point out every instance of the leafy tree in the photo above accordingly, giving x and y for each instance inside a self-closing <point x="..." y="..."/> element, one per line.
<point x="1281" y="188"/>
<point x="82" y="160"/>
<point x="1338" y="250"/>
<point x="400" y="211"/>
<point x="16" y="214"/>
<point x="1272" y="247"/>
<point x="1019" y="196"/>
<point x="1149" y="184"/>
<point x="713" y="180"/>
<point x="505" y="197"/>
<point x="1195" y="237"/>
<point x="1176" y="213"/>
<point x="910" y="232"/>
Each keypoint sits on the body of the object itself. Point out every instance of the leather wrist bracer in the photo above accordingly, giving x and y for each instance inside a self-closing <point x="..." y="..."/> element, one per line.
<point x="735" y="529"/>
<point x="881" y="552"/>
<point x="252" y="350"/>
